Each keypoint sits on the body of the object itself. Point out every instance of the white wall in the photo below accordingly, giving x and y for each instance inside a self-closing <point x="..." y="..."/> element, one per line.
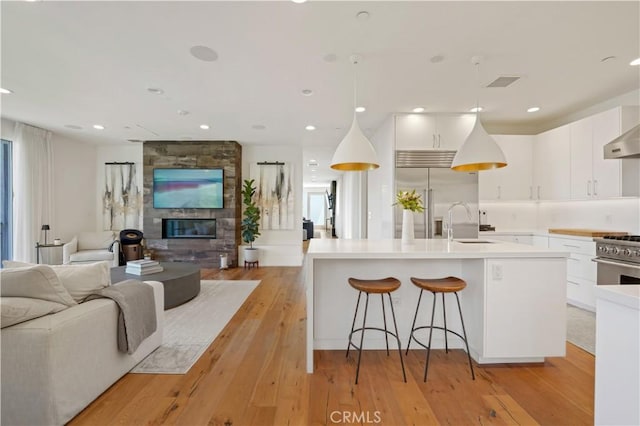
<point x="609" y="215"/>
<point x="131" y="152"/>
<point x="511" y="216"/>
<point x="282" y="247"/>
<point x="74" y="184"/>
<point x="380" y="188"/>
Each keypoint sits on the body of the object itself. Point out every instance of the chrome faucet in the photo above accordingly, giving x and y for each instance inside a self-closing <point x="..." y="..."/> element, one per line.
<point x="450" y="222"/>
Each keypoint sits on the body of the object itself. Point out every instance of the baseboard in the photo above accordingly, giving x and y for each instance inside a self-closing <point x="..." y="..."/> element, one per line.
<point x="285" y="255"/>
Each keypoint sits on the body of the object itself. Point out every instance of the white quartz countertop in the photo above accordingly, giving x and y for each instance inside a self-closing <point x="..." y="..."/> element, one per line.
<point x="488" y="234"/>
<point x="424" y="249"/>
<point x="626" y="295"/>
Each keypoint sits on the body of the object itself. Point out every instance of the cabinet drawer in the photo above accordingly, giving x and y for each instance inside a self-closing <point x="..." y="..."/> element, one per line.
<point x="574" y="246"/>
<point x="581" y="266"/>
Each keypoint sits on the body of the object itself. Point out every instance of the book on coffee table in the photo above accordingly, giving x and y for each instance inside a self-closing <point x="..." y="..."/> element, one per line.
<point x="144" y="271"/>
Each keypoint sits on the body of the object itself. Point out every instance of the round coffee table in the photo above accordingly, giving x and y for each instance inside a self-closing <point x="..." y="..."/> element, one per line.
<point x="181" y="281"/>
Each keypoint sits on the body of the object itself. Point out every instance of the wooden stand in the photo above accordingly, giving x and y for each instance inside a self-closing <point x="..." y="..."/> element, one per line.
<point x="251" y="264"/>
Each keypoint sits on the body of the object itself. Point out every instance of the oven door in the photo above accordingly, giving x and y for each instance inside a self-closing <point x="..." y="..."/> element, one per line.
<point x="612" y="272"/>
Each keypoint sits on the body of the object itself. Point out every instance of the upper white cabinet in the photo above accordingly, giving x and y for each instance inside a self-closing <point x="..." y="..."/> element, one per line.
<point x="432" y="131"/>
<point x="513" y="182"/>
<point x="552" y="164"/>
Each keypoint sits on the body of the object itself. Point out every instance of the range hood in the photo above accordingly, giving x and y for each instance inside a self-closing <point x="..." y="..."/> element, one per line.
<point x="626" y="145"/>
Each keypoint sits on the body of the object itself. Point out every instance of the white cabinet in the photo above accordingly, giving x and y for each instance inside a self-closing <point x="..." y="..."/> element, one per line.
<point x="552" y="164"/>
<point x="432" y="131"/>
<point x="591" y="175"/>
<point x="581" y="271"/>
<point x="513" y="182"/>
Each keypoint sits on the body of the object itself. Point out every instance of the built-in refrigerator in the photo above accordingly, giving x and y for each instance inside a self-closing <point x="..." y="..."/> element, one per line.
<point x="429" y="173"/>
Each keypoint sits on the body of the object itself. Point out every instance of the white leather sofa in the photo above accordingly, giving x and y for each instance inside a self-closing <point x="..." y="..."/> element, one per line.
<point x="55" y="365"/>
<point x="88" y="247"/>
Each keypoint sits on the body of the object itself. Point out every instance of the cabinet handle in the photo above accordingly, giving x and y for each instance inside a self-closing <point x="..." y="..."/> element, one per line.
<point x="499" y="192"/>
<point x="572" y="246"/>
<point x="589" y="187"/>
<point x="595" y="187"/>
<point x="434" y="141"/>
<point x="439" y="140"/>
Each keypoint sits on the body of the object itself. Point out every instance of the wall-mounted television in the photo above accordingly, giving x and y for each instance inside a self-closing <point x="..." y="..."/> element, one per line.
<point x="188" y="188"/>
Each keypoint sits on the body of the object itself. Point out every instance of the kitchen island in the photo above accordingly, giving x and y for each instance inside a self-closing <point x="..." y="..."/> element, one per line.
<point x="514" y="305"/>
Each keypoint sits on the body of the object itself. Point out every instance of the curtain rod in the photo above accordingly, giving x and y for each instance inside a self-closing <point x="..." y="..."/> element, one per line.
<point x="266" y="163"/>
<point x="115" y="162"/>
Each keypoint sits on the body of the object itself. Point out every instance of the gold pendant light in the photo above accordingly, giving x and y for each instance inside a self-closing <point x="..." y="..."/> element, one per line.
<point x="479" y="151"/>
<point x="355" y="152"/>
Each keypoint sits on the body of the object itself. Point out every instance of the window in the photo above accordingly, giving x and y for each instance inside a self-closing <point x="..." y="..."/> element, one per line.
<point x="317" y="208"/>
<point x="6" y="201"/>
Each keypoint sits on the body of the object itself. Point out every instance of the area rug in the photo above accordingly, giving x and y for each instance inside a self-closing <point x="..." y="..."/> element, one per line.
<point x="581" y="328"/>
<point x="190" y="328"/>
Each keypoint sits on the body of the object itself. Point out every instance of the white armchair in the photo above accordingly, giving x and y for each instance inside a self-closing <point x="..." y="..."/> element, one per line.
<point x="88" y="247"/>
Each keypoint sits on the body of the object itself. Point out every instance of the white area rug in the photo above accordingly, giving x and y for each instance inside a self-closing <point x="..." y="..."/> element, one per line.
<point x="581" y="328"/>
<point x="190" y="328"/>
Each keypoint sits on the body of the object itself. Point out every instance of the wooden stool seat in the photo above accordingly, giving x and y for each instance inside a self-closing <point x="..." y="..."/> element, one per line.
<point x="384" y="285"/>
<point x="440" y="285"/>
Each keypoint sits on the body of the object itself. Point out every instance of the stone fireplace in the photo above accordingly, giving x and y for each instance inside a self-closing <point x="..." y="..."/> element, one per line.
<point x="194" y="235"/>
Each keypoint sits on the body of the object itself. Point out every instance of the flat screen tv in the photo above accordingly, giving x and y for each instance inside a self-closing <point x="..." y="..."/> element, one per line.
<point x="188" y="189"/>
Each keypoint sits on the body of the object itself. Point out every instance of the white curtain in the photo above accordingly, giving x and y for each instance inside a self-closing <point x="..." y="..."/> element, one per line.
<point x="33" y="189"/>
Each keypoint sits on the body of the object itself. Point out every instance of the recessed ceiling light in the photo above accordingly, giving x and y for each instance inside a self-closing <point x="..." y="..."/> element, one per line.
<point x="418" y="109"/>
<point x="5" y="91"/>
<point x="310" y="127"/>
<point x="155" y="90"/>
<point x="635" y="62"/>
<point x="307" y="92"/>
<point x="363" y="16"/>
<point x="98" y="126"/>
<point x="204" y="126"/>
<point x="182" y="112"/>
<point x="360" y="109"/>
<point x="436" y="59"/>
<point x="533" y="109"/>
<point x="72" y="126"/>
<point x="476" y="109"/>
<point x="298" y="1"/>
<point x="204" y="53"/>
<point x="258" y="127"/>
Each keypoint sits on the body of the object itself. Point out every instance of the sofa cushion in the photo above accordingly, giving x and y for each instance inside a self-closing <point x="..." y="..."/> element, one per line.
<point x="95" y="240"/>
<point x="16" y="264"/>
<point x="91" y="256"/>
<point x="85" y="279"/>
<point x="15" y="310"/>
<point x="36" y="282"/>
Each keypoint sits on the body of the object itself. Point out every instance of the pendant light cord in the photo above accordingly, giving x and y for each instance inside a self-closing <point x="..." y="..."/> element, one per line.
<point x="355" y="83"/>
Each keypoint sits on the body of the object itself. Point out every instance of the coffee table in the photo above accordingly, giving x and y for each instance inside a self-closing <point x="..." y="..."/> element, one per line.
<point x="181" y="281"/>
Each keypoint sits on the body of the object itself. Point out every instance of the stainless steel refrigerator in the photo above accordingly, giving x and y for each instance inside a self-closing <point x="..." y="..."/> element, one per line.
<point x="429" y="173"/>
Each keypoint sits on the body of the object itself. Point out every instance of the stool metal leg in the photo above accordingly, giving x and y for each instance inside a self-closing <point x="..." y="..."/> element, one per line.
<point x="384" y="319"/>
<point x="464" y="332"/>
<point x="353" y="325"/>
<point x="433" y="313"/>
<point x="413" y="326"/>
<point x="444" y="313"/>
<point x="395" y="325"/>
<point x="364" y="323"/>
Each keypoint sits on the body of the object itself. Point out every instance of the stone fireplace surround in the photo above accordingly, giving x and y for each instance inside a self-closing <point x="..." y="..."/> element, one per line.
<point x="195" y="154"/>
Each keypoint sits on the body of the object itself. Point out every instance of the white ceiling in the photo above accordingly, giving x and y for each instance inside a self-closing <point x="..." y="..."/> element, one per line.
<point x="82" y="63"/>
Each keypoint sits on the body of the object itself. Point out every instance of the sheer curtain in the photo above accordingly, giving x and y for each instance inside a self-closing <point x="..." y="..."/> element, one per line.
<point x="33" y="186"/>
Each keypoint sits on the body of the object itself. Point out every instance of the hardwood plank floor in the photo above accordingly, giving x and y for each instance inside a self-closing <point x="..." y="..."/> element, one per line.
<point x="254" y="374"/>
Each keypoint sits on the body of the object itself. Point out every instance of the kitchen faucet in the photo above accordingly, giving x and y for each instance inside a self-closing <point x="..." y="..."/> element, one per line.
<point x="450" y="222"/>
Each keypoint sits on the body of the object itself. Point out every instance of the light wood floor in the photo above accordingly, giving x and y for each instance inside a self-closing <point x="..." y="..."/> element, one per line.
<point x="254" y="374"/>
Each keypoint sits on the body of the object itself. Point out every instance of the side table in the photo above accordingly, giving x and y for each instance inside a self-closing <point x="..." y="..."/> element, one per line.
<point x="41" y="246"/>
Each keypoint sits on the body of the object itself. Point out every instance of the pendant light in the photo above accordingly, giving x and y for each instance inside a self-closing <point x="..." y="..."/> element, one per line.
<point x="355" y="152"/>
<point x="479" y="151"/>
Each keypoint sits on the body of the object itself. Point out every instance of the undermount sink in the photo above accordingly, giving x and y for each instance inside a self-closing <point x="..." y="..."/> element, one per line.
<point x="473" y="241"/>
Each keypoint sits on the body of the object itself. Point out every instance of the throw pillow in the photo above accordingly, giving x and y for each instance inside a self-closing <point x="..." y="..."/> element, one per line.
<point x="36" y="282"/>
<point x="83" y="279"/>
<point x="15" y="310"/>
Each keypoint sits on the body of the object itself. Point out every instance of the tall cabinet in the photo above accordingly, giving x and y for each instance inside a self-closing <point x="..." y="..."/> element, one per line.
<point x="512" y="182"/>
<point x="552" y="164"/>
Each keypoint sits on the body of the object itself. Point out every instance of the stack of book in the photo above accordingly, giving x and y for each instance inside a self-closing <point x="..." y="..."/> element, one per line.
<point x="143" y="267"/>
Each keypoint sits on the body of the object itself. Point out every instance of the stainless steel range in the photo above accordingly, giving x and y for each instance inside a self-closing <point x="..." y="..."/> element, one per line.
<point x="618" y="259"/>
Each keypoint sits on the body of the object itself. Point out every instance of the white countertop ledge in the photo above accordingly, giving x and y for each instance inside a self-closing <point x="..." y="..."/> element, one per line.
<point x="625" y="295"/>
<point x="424" y="249"/>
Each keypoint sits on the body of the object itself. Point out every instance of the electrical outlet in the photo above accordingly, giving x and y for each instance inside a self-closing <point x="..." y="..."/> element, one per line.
<point x="496" y="272"/>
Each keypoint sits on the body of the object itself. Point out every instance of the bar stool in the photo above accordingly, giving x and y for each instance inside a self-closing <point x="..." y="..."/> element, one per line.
<point x="439" y="285"/>
<point x="382" y="287"/>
